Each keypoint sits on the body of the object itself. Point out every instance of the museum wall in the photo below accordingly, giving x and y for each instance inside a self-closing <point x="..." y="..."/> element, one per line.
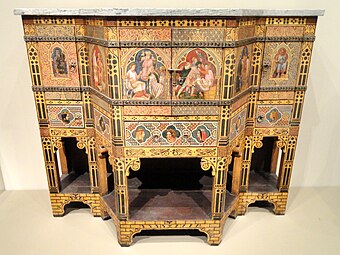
<point x="318" y="152"/>
<point x="2" y="185"/>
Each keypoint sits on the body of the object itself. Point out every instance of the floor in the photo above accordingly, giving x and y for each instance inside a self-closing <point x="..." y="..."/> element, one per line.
<point x="310" y="226"/>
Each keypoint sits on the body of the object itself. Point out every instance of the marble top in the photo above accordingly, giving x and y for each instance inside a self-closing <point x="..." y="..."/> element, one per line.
<point x="167" y="12"/>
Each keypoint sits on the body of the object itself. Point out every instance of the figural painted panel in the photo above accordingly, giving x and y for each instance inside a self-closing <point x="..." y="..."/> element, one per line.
<point x="283" y="64"/>
<point x="58" y="63"/>
<point x="197" y="73"/>
<point x="144" y="73"/>
<point x="243" y="68"/>
<point x="98" y="68"/>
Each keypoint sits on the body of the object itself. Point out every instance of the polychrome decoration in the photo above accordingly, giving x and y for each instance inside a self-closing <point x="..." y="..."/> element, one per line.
<point x="145" y="75"/>
<point x="168" y="122"/>
<point x="197" y="76"/>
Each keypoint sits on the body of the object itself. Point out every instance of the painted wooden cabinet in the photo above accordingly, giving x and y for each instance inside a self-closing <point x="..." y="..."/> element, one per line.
<point x="169" y="119"/>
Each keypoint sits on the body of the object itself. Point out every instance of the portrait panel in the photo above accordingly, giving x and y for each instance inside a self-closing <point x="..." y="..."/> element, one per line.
<point x="66" y="116"/>
<point x="154" y="134"/>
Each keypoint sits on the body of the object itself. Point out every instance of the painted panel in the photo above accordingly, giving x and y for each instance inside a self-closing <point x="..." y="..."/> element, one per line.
<point x="98" y="68"/>
<point x="273" y="115"/>
<point x="243" y="68"/>
<point x="197" y="73"/>
<point x="144" y="73"/>
<point x="67" y="116"/>
<point x="147" y="110"/>
<point x="170" y="134"/>
<point x="102" y="124"/>
<point x="58" y="63"/>
<point x="143" y="34"/>
<point x="237" y="124"/>
<point x="283" y="64"/>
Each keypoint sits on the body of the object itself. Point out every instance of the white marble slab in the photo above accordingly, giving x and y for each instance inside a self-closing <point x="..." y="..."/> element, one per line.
<point x="167" y="12"/>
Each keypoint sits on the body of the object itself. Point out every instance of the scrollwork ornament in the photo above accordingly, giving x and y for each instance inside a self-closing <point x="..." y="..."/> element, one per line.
<point x="82" y="143"/>
<point x="282" y="142"/>
<point x="257" y="142"/>
<point x="133" y="163"/>
<point x="207" y="163"/>
<point x="56" y="143"/>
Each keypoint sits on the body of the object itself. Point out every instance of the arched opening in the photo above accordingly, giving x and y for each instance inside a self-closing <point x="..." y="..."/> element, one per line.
<point x="170" y="189"/>
<point x="75" y="206"/>
<point x="265" y="165"/>
<point x="171" y="232"/>
<point x="73" y="168"/>
<point x="263" y="204"/>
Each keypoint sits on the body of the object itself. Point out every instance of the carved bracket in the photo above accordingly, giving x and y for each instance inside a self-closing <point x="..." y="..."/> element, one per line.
<point x="133" y="163"/>
<point x="209" y="162"/>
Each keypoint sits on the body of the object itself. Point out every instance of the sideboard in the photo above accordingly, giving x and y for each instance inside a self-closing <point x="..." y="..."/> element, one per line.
<point x="169" y="119"/>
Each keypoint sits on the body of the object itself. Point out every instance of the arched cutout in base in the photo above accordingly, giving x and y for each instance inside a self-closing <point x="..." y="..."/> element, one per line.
<point x="263" y="204"/>
<point x="171" y="232"/>
<point x="75" y="206"/>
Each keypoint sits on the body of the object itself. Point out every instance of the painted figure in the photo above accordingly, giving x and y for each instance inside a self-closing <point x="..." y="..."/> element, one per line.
<point x="171" y="135"/>
<point x="281" y="63"/>
<point x="140" y="135"/>
<point x="202" y="135"/>
<point x="59" y="64"/>
<point x="102" y="124"/>
<point x="134" y="87"/>
<point x="196" y="77"/>
<point x="145" y="77"/>
<point x="66" y="116"/>
<point x="98" y="69"/>
<point x="243" y="69"/>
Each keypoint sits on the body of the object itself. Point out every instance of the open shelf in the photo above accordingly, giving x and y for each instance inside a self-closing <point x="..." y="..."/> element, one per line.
<point x="166" y="204"/>
<point x="75" y="183"/>
<point x="262" y="182"/>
